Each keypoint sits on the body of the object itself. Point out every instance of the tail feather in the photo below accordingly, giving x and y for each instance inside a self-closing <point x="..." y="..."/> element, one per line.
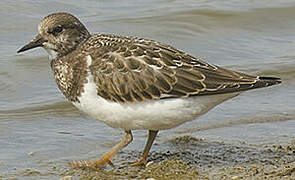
<point x="267" y="81"/>
<point x="236" y="87"/>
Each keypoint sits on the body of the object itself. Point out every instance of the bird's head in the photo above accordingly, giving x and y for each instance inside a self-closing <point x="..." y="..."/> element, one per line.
<point x="58" y="34"/>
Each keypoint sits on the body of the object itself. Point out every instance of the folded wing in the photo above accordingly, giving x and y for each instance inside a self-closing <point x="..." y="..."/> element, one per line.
<point x="135" y="70"/>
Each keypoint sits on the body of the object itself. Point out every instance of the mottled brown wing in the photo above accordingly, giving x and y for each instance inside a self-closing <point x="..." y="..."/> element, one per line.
<point x="134" y="70"/>
<point x="129" y="72"/>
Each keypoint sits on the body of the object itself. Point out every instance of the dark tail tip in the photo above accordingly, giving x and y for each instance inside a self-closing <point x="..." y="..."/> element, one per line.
<point x="269" y="81"/>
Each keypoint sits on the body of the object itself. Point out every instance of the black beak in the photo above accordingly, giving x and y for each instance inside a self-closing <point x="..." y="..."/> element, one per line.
<point x="36" y="42"/>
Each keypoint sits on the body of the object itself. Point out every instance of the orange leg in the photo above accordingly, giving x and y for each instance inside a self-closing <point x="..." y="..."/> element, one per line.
<point x="106" y="158"/>
<point x="143" y="158"/>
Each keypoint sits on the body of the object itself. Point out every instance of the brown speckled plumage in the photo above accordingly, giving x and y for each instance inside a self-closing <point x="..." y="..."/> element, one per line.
<point x="70" y="76"/>
<point x="130" y="70"/>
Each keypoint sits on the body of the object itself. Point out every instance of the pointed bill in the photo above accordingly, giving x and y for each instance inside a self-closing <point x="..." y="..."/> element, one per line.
<point x="36" y="42"/>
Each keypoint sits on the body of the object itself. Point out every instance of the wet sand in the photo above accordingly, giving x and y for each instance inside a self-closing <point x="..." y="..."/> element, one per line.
<point x="191" y="158"/>
<point x="187" y="157"/>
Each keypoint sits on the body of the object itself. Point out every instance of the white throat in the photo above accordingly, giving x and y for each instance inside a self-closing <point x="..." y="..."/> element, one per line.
<point x="50" y="50"/>
<point x="52" y="53"/>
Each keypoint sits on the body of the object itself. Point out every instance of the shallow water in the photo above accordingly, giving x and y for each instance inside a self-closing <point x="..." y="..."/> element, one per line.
<point x="255" y="37"/>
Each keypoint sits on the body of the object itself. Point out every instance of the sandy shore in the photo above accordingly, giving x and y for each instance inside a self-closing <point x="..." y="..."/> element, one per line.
<point x="190" y="158"/>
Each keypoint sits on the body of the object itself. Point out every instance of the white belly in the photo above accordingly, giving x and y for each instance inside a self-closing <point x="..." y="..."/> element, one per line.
<point x="152" y="115"/>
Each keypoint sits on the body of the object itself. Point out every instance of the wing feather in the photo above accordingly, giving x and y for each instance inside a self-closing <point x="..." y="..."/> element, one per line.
<point x="135" y="70"/>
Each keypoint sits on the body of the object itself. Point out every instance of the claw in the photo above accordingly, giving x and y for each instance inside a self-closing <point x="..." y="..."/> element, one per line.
<point x="106" y="158"/>
<point x="141" y="162"/>
<point x="91" y="164"/>
<point x="110" y="163"/>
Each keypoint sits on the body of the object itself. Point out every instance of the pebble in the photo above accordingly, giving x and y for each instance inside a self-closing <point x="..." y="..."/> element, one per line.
<point x="67" y="178"/>
<point x="31" y="153"/>
<point x="149" y="163"/>
<point x="236" y="177"/>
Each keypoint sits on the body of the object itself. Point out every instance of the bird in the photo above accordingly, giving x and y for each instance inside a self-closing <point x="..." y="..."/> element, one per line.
<point x="133" y="83"/>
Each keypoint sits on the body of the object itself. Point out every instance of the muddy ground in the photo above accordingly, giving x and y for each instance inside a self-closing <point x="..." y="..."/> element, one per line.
<point x="190" y="158"/>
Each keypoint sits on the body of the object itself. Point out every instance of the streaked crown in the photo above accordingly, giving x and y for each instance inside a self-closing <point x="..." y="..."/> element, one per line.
<point x="61" y="33"/>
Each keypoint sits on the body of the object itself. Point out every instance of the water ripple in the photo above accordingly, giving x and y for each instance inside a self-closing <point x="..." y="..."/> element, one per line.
<point x="63" y="109"/>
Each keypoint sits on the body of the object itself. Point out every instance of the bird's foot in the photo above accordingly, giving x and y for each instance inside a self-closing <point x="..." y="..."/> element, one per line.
<point x="140" y="162"/>
<point x="92" y="163"/>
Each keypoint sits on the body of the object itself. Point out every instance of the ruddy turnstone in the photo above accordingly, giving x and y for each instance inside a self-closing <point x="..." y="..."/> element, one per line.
<point x="133" y="83"/>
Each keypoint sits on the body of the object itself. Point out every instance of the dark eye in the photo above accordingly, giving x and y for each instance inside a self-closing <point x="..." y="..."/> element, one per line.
<point x="56" y="30"/>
